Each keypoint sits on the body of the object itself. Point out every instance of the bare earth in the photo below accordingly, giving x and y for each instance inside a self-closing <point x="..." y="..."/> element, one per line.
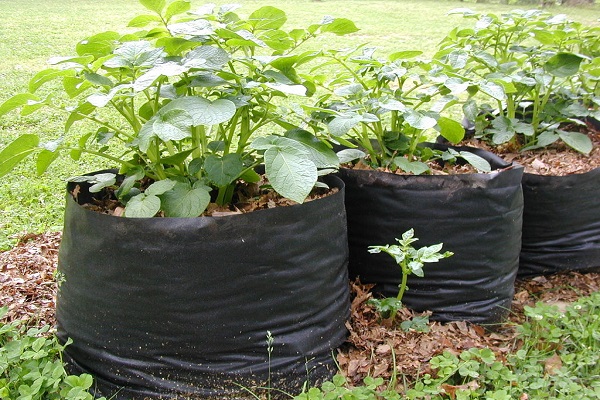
<point x="28" y="288"/>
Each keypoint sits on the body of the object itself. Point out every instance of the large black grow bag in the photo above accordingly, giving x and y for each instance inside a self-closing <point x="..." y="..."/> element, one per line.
<point x="476" y="216"/>
<point x="181" y="307"/>
<point x="561" y="223"/>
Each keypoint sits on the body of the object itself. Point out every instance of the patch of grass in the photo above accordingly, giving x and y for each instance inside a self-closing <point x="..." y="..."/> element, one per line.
<point x="32" y="31"/>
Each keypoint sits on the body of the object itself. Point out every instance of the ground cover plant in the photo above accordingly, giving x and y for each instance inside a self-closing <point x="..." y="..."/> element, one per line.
<point x="31" y="365"/>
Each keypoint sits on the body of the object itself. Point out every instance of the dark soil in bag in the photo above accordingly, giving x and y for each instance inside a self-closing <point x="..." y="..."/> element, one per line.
<point x="476" y="216"/>
<point x="168" y="307"/>
<point x="561" y="223"/>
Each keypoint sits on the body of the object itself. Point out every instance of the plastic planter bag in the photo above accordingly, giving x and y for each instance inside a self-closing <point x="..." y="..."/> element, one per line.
<point x="182" y="307"/>
<point x="561" y="223"/>
<point x="476" y="216"/>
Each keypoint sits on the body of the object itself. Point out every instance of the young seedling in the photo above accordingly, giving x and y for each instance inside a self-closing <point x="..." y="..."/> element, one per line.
<point x="410" y="261"/>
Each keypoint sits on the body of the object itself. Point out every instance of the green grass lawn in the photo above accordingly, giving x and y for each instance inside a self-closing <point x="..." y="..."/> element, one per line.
<point x="32" y="31"/>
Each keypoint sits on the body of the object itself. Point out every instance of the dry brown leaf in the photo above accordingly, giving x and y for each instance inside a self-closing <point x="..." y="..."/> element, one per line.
<point x="552" y="365"/>
<point x="383" y="349"/>
<point x="450" y="390"/>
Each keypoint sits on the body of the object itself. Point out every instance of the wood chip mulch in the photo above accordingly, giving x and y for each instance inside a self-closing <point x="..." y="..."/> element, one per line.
<point x="374" y="348"/>
<point x="557" y="159"/>
<point x="27" y="284"/>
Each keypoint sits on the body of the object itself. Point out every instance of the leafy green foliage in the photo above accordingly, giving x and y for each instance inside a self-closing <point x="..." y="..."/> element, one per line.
<point x="192" y="92"/>
<point x="31" y="366"/>
<point x="418" y="323"/>
<point x="410" y="261"/>
<point x="388" y="107"/>
<point x="337" y="388"/>
<point x="540" y="71"/>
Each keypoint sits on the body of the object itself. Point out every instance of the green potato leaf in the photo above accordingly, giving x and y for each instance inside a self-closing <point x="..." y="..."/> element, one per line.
<point x="203" y="111"/>
<point x="223" y="170"/>
<point x="47" y="75"/>
<point x="17" y="101"/>
<point x="173" y="125"/>
<point x="338" y="26"/>
<point x="413" y="167"/>
<point x="184" y="201"/>
<point x="579" y="141"/>
<point x="16" y="151"/>
<point x="154" y="5"/>
<point x="342" y="124"/>
<point x="160" y="187"/>
<point x="451" y="130"/>
<point x="177" y="7"/>
<point x="142" y="20"/>
<point x="142" y="206"/>
<point x="290" y="173"/>
<point x="319" y="153"/>
<point x="267" y="18"/>
<point x="563" y="65"/>
<point x="418" y="120"/>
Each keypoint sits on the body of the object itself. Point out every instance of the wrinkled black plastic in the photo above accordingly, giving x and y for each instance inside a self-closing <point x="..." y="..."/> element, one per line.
<point x="561" y="224"/>
<point x="476" y="216"/>
<point x="167" y="307"/>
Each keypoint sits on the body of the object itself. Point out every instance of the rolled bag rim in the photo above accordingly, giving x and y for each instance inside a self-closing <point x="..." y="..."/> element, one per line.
<point x="508" y="175"/>
<point x="135" y="384"/>
<point x="561" y="223"/>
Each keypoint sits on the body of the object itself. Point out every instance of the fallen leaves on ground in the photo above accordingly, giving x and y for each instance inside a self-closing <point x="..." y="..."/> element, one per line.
<point x="27" y="285"/>
<point x="374" y="347"/>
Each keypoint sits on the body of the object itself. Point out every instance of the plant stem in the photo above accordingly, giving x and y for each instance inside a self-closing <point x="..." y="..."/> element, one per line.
<point x="154" y="156"/>
<point x="100" y="154"/>
<point x="352" y="72"/>
<point x="365" y="142"/>
<point x="198" y="141"/>
<point x="99" y="122"/>
<point x="245" y="131"/>
<point x="416" y="139"/>
<point x="536" y="113"/>
<point x="229" y="137"/>
<point x="405" y="273"/>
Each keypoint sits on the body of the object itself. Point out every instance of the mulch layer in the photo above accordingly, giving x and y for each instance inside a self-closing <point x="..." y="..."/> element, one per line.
<point x="374" y="347"/>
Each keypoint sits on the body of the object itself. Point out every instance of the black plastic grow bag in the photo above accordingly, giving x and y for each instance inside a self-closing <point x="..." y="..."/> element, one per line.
<point x="181" y="307"/>
<point x="561" y="224"/>
<point x="476" y="216"/>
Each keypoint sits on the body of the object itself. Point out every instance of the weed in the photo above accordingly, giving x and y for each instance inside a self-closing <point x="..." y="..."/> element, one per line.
<point x="410" y="261"/>
<point x="31" y="365"/>
<point x="559" y="359"/>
